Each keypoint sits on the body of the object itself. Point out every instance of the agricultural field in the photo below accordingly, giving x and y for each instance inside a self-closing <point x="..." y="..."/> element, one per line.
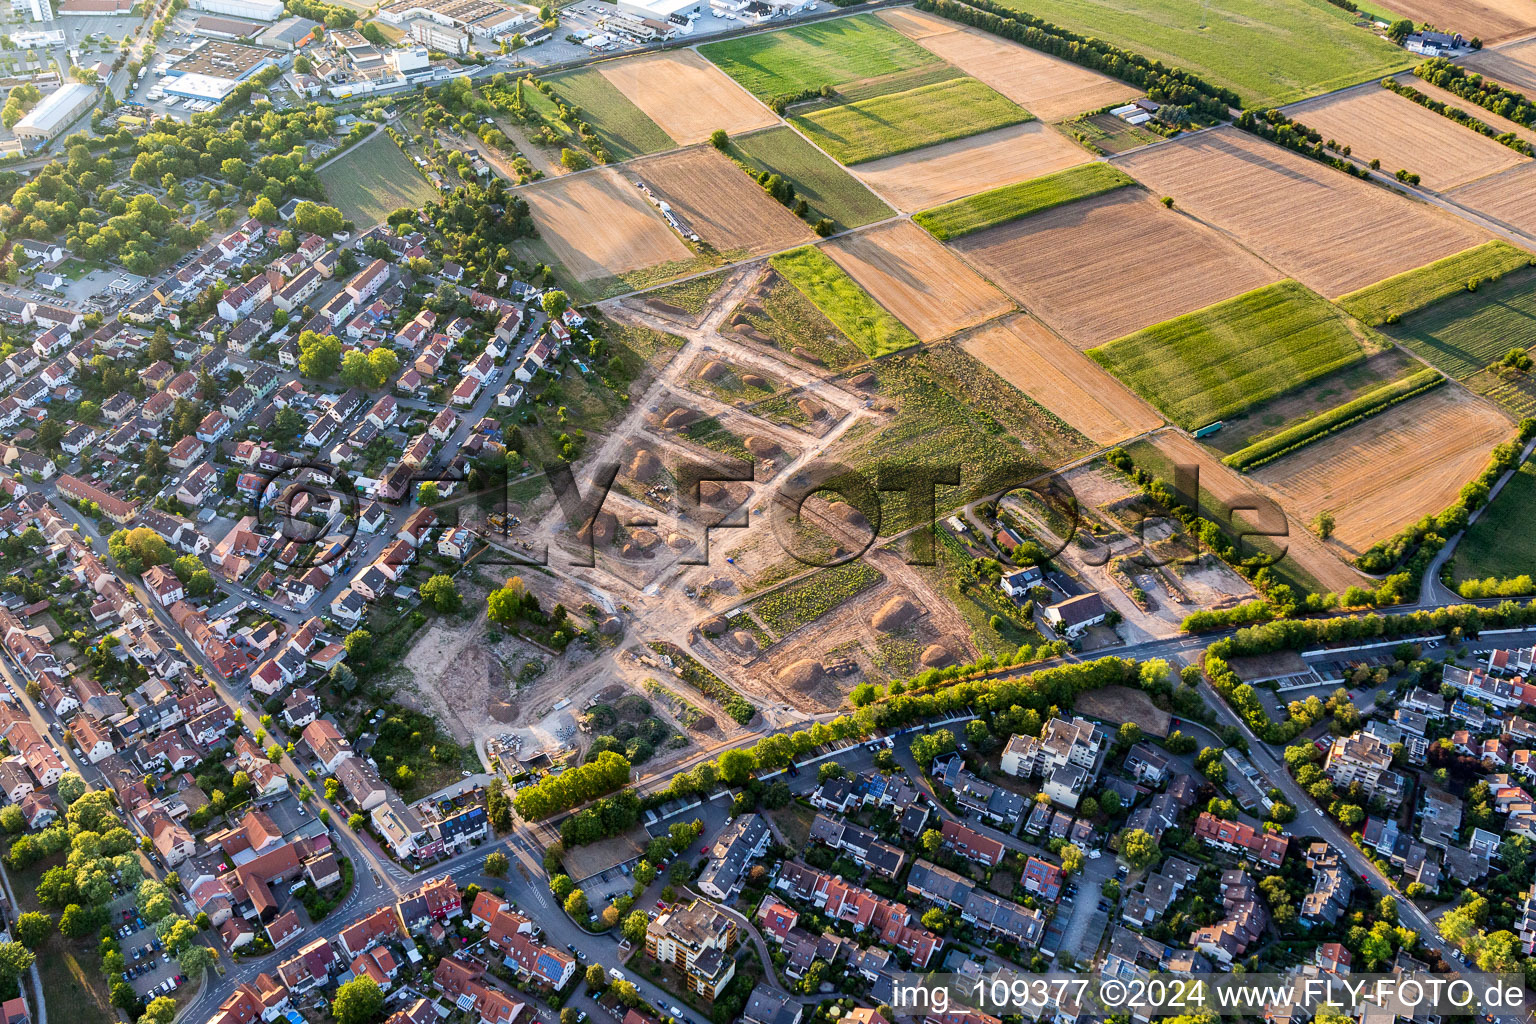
<point x="1046" y="86"/>
<point x="1407" y="293"/>
<point x="714" y="198"/>
<point x="1466" y="332"/>
<point x="1063" y="380"/>
<point x="1001" y="205"/>
<point x="917" y="279"/>
<point x="843" y="302"/>
<point x="946" y="408"/>
<point x="625" y="129"/>
<point x="1106" y="133"/>
<point x="1391" y="469"/>
<point x="827" y="188"/>
<point x="373" y="180"/>
<point x="1270" y="51"/>
<point x="1501" y="543"/>
<point x="686" y="95"/>
<point x="1377" y="123"/>
<point x="938" y="174"/>
<point x="1504" y="197"/>
<point x="807" y="57"/>
<point x="1340" y="234"/>
<point x="633" y="235"/>
<point x="1513" y="65"/>
<point x="1493" y="21"/>
<point x="1059" y="266"/>
<point x="807" y="600"/>
<point x="1226" y="358"/>
<point x="777" y="313"/>
<point x="899" y="122"/>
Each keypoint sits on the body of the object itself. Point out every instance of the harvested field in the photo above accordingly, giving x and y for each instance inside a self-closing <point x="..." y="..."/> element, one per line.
<point x="633" y="237"/>
<point x="713" y="197"/>
<point x="1341" y="234"/>
<point x="625" y="129"/>
<point x="928" y="177"/>
<point x="1066" y="382"/>
<point x="1376" y="123"/>
<point x="686" y="95"/>
<point x="917" y="279"/>
<point x="1392" y="469"/>
<point x="1062" y="266"/>
<point x="1046" y="86"/>
<point x="1513" y="65"/>
<point x="900" y="122"/>
<point x="1491" y="20"/>
<point x="1505" y="197"/>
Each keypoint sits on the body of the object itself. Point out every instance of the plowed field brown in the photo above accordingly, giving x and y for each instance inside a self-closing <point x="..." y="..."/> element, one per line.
<point x="927" y="177"/>
<point x="687" y="95"/>
<point x="715" y="198"/>
<point x="599" y="225"/>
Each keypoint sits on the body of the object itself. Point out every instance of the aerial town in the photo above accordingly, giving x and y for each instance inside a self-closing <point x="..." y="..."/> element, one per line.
<point x="767" y="511"/>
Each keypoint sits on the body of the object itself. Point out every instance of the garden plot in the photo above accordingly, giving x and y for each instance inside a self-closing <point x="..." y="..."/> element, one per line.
<point x="598" y="225"/>
<point x="714" y="198"/>
<point x="1392" y="469"/>
<point x="938" y="174"/>
<point x="1338" y="233"/>
<point x="1066" y="382"/>
<point x="1376" y="123"/>
<point x="1045" y="86"/>
<point x="1105" y="267"/>
<point x="686" y="95"/>
<point x="917" y="279"/>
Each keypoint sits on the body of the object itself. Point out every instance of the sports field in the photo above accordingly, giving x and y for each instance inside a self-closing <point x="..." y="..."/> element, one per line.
<point x="843" y="302"/>
<point x="833" y="52"/>
<point x="623" y="127"/>
<point x="1270" y="51"/>
<point x="911" y="119"/>
<point x="830" y="190"/>
<point x="1000" y="205"/>
<point x="1468" y="331"/>
<point x="1224" y="359"/>
<point x="1414" y="290"/>
<point x="927" y="177"/>
<point x="1501" y="543"/>
<point x="374" y="180"/>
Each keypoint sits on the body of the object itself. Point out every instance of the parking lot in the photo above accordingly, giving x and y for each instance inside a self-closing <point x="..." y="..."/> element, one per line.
<point x="151" y="971"/>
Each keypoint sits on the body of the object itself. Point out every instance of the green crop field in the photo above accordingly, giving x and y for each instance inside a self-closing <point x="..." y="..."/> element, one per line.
<point x="1270" y="51"/>
<point x="903" y="121"/>
<point x="1224" y="359"/>
<point x="808" y="600"/>
<point x="1417" y="289"/>
<point x="1501" y="543"/>
<point x="623" y="127"/>
<point x="827" y="53"/>
<point x="1463" y="334"/>
<point x="1001" y="205"/>
<point x="374" y="180"/>
<point x="830" y="190"/>
<point x="866" y="323"/>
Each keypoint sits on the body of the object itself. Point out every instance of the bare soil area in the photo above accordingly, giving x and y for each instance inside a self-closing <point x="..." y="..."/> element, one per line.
<point x="1123" y="704"/>
<point x="715" y="198"/>
<point x="1504" y="197"/>
<point x="686" y="95"/>
<point x="927" y="177"/>
<point x="599" y="225"/>
<point x="1513" y="65"/>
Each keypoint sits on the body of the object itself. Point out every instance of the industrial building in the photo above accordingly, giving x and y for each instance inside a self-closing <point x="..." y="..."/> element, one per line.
<point x="254" y="10"/>
<point x="289" y="34"/>
<point x="488" y="19"/>
<point x="213" y="70"/>
<point x="433" y="36"/>
<point x="56" y="111"/>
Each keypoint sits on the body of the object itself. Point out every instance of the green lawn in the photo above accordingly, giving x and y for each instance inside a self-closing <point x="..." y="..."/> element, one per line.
<point x="1501" y="543"/>
<point x="830" y="190"/>
<point x="1466" y="332"/>
<point x="1417" y="289"/>
<point x="827" y="53"/>
<point x="842" y="301"/>
<point x="913" y="119"/>
<point x="623" y="127"/>
<point x="1000" y="205"/>
<point x="1270" y="51"/>
<point x="373" y="180"/>
<point x="1226" y="358"/>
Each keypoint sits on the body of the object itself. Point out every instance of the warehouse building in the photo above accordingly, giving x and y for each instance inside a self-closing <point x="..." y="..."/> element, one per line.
<point x="56" y="111"/>
<point x="440" y="37"/>
<point x="213" y="70"/>
<point x="254" y="10"/>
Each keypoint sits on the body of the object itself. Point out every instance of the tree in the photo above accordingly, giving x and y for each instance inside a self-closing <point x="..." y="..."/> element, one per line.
<point x="625" y="992"/>
<point x="33" y="928"/>
<point x="635" y="926"/>
<point x="15" y="959"/>
<point x="595" y="976"/>
<point x="576" y="905"/>
<point x="195" y="959"/>
<point x="77" y="922"/>
<point x="161" y="1010"/>
<point x="934" y="921"/>
<point x="359" y="1001"/>
<point x="319" y="355"/>
<point x="1138" y="848"/>
<point x="12" y="820"/>
<point x="153" y="900"/>
<point x="561" y="886"/>
<point x="442" y="593"/>
<point x="1322" y="524"/>
<point x="931" y="841"/>
<point x="1072" y="859"/>
<point x="736" y="766"/>
<point x="496" y="864"/>
<point x="357" y="644"/>
<point x="555" y="303"/>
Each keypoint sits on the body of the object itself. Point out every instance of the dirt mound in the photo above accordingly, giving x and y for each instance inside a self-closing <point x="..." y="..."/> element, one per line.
<point x="713" y="493"/>
<point x="713" y="370"/>
<point x="611" y="626"/>
<point x="752" y="380"/>
<point x="600" y="530"/>
<point x="678" y="418"/>
<point x="849" y="515"/>
<point x="806" y="354"/>
<point x="662" y="306"/>
<point x="715" y="626"/>
<point x="811" y="409"/>
<point x="676" y="541"/>
<point x="804" y="675"/>
<point x="645" y="540"/>
<point x="894" y="614"/>
<point x="746" y="310"/>
<point x="501" y="711"/>
<point x="865" y="381"/>
<point x="762" y="447"/>
<point x="936" y="656"/>
<point x="744" y="641"/>
<point x="645" y="466"/>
